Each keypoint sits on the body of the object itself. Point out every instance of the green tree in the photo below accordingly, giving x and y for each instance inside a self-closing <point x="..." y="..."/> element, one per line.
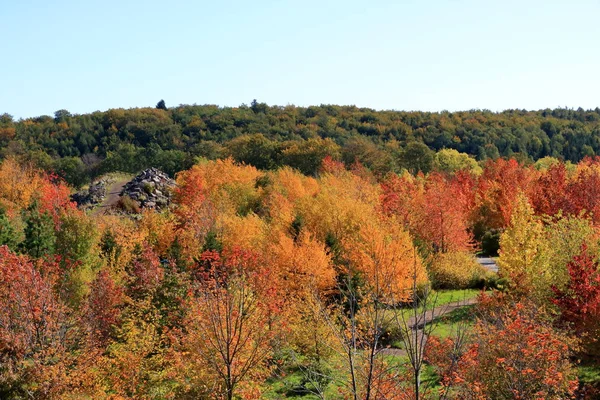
<point x="74" y="241"/>
<point x="417" y="157"/>
<point x="255" y="150"/>
<point x="161" y="105"/>
<point x="8" y="236"/>
<point x="451" y="161"/>
<point x="39" y="232"/>
<point x="307" y="156"/>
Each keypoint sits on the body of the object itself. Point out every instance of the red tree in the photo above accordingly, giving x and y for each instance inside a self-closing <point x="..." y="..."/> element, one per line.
<point x="549" y="193"/>
<point x="103" y="311"/>
<point x="34" y="329"/>
<point x="580" y="300"/>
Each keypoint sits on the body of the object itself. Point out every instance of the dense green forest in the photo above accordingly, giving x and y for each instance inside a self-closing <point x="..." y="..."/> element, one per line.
<point x="79" y="147"/>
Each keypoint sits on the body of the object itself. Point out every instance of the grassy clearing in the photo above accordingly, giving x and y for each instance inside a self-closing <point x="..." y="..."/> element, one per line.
<point x="450" y="296"/>
<point x="446" y="325"/>
<point x="294" y="385"/>
<point x="441" y="298"/>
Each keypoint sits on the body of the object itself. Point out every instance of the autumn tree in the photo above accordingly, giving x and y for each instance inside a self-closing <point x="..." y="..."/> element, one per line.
<point x="380" y="270"/>
<point x="524" y="253"/>
<point x="35" y="330"/>
<point x="451" y="161"/>
<point x="137" y="364"/>
<point x="232" y="322"/>
<point x="102" y="313"/>
<point x="550" y="193"/>
<point x="583" y="191"/>
<point x="441" y="219"/>
<point x="497" y="191"/>
<point x="579" y="300"/>
<point x="514" y="353"/>
<point x="566" y="235"/>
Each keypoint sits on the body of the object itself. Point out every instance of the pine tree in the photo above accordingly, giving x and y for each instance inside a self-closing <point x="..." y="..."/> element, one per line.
<point x="39" y="232"/>
<point x="8" y="236"/>
<point x="161" y="105"/>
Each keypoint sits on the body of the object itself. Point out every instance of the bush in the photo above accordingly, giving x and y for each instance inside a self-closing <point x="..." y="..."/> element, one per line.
<point x="514" y="352"/>
<point x="128" y="205"/>
<point x="456" y="270"/>
<point x="490" y="242"/>
<point x="148" y="188"/>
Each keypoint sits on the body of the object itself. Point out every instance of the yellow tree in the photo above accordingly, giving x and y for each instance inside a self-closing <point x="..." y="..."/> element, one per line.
<point x="385" y="256"/>
<point x="524" y="253"/>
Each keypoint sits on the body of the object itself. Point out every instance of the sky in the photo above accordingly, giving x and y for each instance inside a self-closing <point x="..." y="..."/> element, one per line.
<point x="431" y="55"/>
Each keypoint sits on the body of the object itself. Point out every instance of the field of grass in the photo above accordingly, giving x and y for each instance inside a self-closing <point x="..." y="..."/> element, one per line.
<point x="446" y="325"/>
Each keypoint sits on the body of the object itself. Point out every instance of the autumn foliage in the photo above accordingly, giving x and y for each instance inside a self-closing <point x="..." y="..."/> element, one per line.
<point x="512" y="353"/>
<point x="254" y="277"/>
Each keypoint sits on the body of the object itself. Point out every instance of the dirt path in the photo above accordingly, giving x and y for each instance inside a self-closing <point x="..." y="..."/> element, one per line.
<point x="419" y="322"/>
<point x="112" y="197"/>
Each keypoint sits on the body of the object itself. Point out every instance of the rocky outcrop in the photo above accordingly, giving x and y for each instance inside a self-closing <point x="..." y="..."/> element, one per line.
<point x="94" y="195"/>
<point x="152" y="188"/>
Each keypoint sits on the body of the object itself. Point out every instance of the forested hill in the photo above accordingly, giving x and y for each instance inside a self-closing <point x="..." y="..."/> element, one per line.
<point x="81" y="146"/>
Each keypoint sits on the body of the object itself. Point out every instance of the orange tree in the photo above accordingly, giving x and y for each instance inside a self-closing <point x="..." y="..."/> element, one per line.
<point x="233" y="324"/>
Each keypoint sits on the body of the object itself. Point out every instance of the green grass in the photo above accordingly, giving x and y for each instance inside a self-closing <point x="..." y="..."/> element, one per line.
<point x="290" y="385"/>
<point x="450" y="296"/>
<point x="442" y="298"/>
<point x="285" y="387"/>
<point x="446" y="325"/>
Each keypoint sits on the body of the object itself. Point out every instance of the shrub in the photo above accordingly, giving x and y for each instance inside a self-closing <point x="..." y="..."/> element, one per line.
<point x="514" y="352"/>
<point x="456" y="270"/>
<point x="490" y="242"/>
<point x="148" y="188"/>
<point x="128" y="205"/>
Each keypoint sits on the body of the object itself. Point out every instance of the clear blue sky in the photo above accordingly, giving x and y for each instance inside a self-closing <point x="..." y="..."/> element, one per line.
<point x="89" y="55"/>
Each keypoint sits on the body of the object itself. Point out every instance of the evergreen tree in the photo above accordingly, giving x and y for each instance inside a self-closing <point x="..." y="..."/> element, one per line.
<point x="39" y="232"/>
<point x="8" y="236"/>
<point x="161" y="105"/>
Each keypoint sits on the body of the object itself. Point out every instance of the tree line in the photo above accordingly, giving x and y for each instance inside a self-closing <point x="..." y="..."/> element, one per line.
<point x="80" y="147"/>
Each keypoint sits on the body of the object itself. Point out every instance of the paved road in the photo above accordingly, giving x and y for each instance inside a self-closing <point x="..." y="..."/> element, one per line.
<point x="488" y="263"/>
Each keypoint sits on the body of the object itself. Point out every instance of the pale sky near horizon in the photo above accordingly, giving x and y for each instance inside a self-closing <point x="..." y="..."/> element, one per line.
<point x="405" y="55"/>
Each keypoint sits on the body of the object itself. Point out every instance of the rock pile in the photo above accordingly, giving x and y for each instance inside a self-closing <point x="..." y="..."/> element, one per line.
<point x="152" y="188"/>
<point x="94" y="195"/>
